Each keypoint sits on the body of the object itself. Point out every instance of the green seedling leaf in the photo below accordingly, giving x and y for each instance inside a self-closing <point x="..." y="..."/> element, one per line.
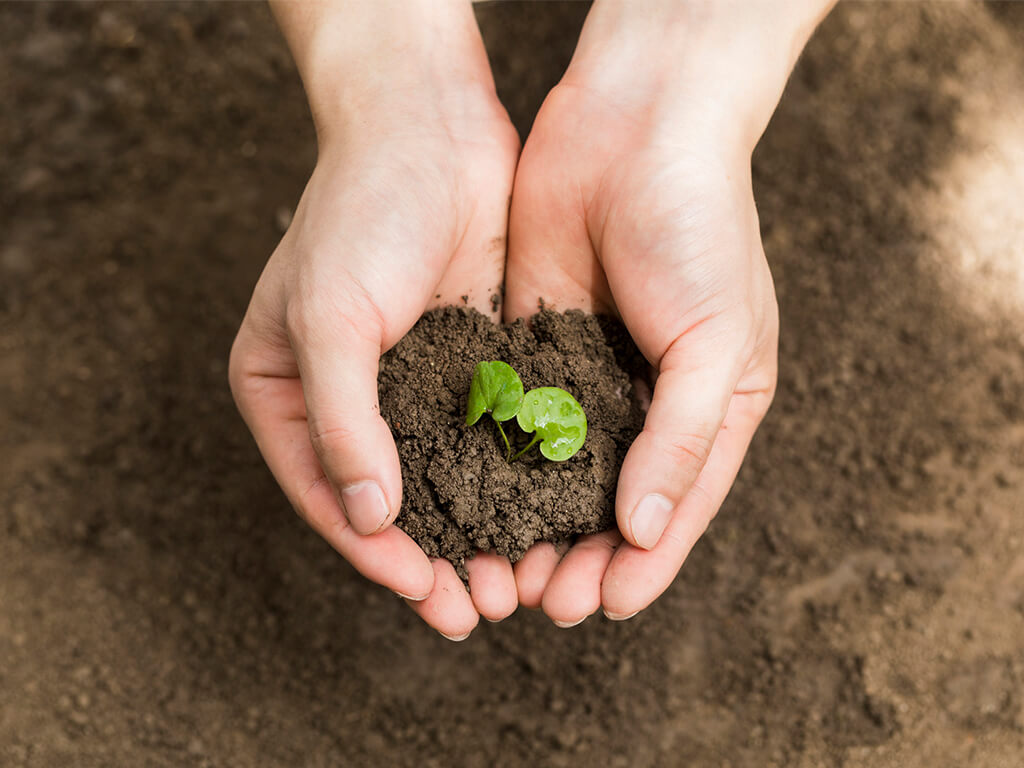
<point x="495" y="389"/>
<point x="556" y="418"/>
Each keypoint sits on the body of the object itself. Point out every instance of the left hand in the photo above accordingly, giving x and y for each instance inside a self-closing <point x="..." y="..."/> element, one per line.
<point x="633" y="197"/>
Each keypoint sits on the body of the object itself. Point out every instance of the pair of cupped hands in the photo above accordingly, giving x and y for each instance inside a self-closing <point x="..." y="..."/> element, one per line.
<point x="632" y="196"/>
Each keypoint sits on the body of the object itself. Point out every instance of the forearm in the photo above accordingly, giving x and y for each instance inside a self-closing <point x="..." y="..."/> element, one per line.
<point x="728" y="59"/>
<point x="352" y="56"/>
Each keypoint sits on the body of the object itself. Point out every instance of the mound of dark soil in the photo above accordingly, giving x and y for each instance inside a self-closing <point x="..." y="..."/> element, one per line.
<point x="460" y="494"/>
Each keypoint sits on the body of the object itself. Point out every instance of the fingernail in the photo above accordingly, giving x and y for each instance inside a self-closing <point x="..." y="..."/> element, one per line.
<point x="419" y="599"/>
<point x="567" y="624"/>
<point x="620" y="616"/>
<point x="365" y="506"/>
<point x="649" y="519"/>
<point x="454" y="638"/>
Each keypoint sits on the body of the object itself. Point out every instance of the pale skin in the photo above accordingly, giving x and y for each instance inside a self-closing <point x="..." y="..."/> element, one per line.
<point x="632" y="195"/>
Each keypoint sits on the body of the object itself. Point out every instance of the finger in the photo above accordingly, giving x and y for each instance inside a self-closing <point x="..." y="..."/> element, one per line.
<point x="476" y="272"/>
<point x="695" y="382"/>
<point x="475" y="275"/>
<point x="274" y="409"/>
<point x="550" y="255"/>
<point x="338" y="349"/>
<point x="492" y="586"/>
<point x="635" y="577"/>
<point x="448" y="609"/>
<point x="533" y="571"/>
<point x="574" y="591"/>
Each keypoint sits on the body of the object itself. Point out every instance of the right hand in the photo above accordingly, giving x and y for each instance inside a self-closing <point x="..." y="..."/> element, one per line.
<point x="406" y="209"/>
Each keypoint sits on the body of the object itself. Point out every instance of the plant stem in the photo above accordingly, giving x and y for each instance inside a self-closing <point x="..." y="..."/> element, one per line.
<point x="508" y="447"/>
<point x="536" y="439"/>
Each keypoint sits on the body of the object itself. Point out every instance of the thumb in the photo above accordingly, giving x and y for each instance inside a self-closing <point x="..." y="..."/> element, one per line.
<point x="696" y="380"/>
<point x="338" y="354"/>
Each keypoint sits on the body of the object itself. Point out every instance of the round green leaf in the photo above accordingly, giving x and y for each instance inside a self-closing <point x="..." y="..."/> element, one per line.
<point x="496" y="389"/>
<point x="557" y="418"/>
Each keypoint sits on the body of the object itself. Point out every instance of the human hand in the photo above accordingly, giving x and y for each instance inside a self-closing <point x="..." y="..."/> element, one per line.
<point x="406" y="209"/>
<point x="633" y="196"/>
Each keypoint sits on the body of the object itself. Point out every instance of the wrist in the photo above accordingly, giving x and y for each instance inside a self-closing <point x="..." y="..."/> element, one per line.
<point x="712" y="68"/>
<point x="360" y="61"/>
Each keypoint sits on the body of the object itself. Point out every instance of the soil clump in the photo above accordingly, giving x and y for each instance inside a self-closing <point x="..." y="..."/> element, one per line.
<point x="460" y="494"/>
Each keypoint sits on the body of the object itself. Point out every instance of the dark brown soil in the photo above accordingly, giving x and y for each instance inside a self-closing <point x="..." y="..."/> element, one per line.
<point x="857" y="603"/>
<point x="459" y="493"/>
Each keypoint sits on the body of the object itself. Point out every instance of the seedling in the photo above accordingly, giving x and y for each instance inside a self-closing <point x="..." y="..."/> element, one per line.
<point x="557" y="421"/>
<point x="553" y="416"/>
<point x="497" y="390"/>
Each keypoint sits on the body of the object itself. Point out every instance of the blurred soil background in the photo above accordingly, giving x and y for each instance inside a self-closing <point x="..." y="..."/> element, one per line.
<point x="858" y="602"/>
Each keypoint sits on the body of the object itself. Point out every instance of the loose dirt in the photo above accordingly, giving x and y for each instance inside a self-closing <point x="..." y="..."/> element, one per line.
<point x="460" y="494"/>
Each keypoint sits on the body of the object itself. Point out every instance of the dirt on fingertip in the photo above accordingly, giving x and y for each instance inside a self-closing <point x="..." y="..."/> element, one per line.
<point x="460" y="494"/>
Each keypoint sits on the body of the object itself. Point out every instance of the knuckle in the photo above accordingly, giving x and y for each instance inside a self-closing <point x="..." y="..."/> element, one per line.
<point x="330" y="442"/>
<point x="310" y="506"/>
<point x="706" y="504"/>
<point x="601" y="542"/>
<point x="301" y="317"/>
<point x="242" y="380"/>
<point x="756" y="398"/>
<point x="350" y="311"/>
<point x="236" y="371"/>
<point x="330" y="438"/>
<point x="686" y="448"/>
<point x="767" y="395"/>
<point x="747" y="330"/>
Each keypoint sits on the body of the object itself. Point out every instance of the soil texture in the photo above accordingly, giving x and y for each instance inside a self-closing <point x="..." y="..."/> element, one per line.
<point x="460" y="494"/>
<point x="857" y="603"/>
